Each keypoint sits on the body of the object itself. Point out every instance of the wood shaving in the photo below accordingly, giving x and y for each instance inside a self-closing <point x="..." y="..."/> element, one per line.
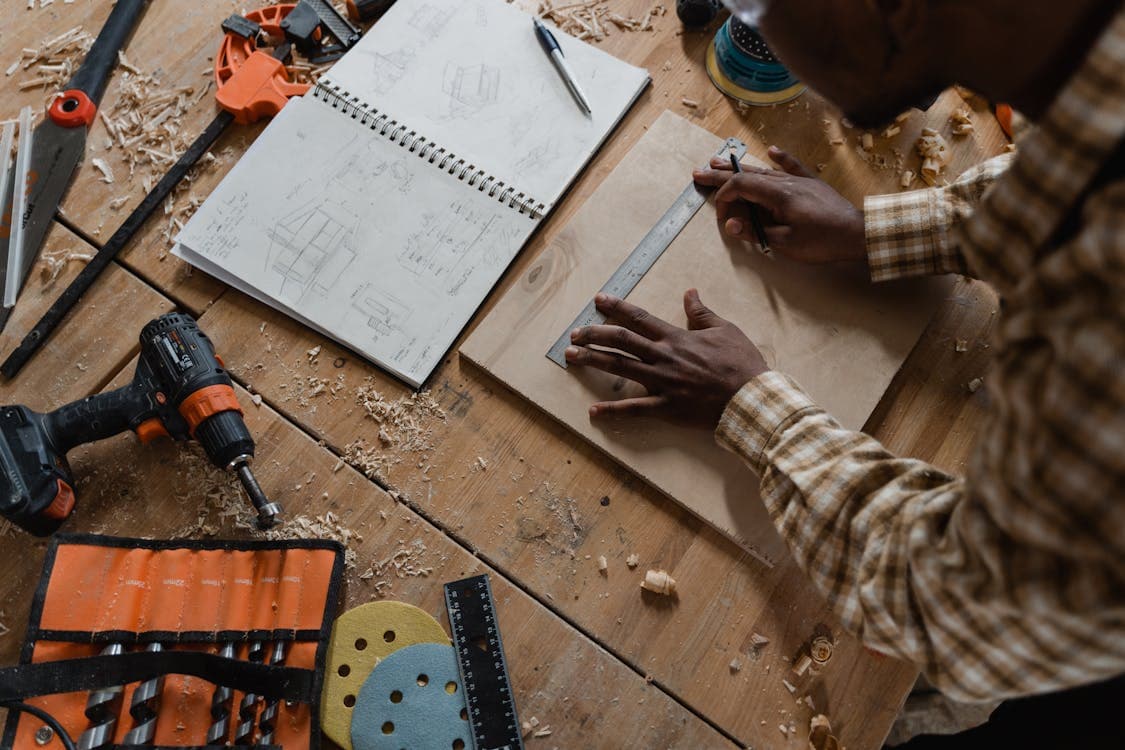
<point x="405" y="426"/>
<point x="906" y="178"/>
<point x="53" y="264"/>
<point x="52" y="64"/>
<point x="757" y="640"/>
<point x="633" y="560"/>
<point x="735" y="665"/>
<point x="591" y="20"/>
<point x="659" y="582"/>
<point x="820" y="734"/>
<point x="974" y="385"/>
<point x="961" y="121"/>
<point x="804" y="661"/>
<point x="603" y="564"/>
<point x="821" y="650"/>
<point x="935" y="154"/>
<point x="689" y="103"/>
<point x="101" y="166"/>
<point x="867" y="141"/>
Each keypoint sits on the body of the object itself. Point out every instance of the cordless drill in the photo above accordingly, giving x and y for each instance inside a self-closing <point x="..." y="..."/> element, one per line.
<point x="181" y="390"/>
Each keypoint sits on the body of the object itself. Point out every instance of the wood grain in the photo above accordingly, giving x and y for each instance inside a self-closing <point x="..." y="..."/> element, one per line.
<point x="685" y="645"/>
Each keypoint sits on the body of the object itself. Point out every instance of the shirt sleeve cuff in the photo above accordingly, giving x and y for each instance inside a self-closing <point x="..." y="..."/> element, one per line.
<point x="908" y="234"/>
<point x="762" y="409"/>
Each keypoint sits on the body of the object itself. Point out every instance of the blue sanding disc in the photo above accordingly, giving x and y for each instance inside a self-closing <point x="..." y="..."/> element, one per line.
<point x="413" y="700"/>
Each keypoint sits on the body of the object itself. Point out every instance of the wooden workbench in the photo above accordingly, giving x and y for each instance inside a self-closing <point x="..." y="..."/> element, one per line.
<point x="492" y="484"/>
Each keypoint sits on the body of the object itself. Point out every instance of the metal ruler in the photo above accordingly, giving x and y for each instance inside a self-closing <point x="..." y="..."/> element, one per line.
<point x="645" y="255"/>
<point x="337" y="25"/>
<point x="480" y="660"/>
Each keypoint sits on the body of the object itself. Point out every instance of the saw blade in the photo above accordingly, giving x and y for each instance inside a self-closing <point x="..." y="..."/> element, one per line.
<point x="55" y="153"/>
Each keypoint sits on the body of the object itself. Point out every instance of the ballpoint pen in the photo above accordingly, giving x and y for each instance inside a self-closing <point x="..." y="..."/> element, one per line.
<point x="551" y="47"/>
<point x="755" y="217"/>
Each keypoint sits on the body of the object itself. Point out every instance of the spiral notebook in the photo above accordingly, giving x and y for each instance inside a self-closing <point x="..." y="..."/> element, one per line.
<point x="382" y="207"/>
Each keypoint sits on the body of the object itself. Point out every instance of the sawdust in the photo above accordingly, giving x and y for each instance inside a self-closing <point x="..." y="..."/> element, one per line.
<point x="593" y="20"/>
<point x="405" y="427"/>
<point x="227" y="511"/>
<point x="549" y="517"/>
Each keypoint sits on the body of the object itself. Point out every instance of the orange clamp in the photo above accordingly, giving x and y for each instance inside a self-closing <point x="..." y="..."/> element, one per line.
<point x="206" y="403"/>
<point x="259" y="88"/>
<point x="252" y="83"/>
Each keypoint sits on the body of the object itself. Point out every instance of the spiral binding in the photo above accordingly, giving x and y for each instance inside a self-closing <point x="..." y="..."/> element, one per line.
<point x="424" y="148"/>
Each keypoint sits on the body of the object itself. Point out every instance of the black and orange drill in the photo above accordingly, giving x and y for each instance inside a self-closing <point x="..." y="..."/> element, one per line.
<point x="181" y="390"/>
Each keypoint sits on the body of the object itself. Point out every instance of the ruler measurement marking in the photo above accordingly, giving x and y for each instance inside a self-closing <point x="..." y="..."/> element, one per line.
<point x="484" y="674"/>
<point x="644" y="255"/>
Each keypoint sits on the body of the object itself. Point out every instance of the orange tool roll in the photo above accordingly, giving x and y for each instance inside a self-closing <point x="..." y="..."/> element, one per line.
<point x="129" y="618"/>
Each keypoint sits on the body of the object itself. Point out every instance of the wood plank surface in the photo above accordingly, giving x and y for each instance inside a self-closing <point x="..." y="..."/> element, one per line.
<point x="91" y="343"/>
<point x="170" y="490"/>
<point x="495" y="476"/>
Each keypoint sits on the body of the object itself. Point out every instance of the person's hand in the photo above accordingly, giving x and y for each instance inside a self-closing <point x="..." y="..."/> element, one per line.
<point x="690" y="375"/>
<point x="812" y="223"/>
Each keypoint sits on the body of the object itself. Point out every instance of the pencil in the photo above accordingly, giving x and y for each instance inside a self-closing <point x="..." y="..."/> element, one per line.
<point x="755" y="217"/>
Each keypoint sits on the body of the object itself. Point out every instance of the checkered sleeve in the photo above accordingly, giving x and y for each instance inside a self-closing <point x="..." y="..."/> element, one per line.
<point x="915" y="233"/>
<point x="984" y="595"/>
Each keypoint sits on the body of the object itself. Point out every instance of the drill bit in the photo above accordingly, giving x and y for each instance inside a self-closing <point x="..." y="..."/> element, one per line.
<point x="267" y="723"/>
<point x="102" y="709"/>
<point x="145" y="706"/>
<point x="247" y="709"/>
<point x="221" y="706"/>
<point x="268" y="512"/>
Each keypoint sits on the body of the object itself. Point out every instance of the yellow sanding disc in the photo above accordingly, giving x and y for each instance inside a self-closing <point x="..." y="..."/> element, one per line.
<point x="361" y="638"/>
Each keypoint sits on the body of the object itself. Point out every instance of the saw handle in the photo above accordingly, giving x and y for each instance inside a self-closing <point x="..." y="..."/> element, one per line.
<point x="93" y="75"/>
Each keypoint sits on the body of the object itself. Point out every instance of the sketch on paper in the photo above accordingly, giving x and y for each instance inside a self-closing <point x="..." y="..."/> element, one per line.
<point x="470" y="88"/>
<point x="429" y="19"/>
<point x="384" y="313"/>
<point x="539" y="157"/>
<point x="220" y="241"/>
<point x="311" y="249"/>
<point x="387" y="69"/>
<point x="435" y="251"/>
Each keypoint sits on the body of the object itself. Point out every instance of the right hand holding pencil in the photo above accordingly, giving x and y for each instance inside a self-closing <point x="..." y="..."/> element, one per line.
<point x="807" y="219"/>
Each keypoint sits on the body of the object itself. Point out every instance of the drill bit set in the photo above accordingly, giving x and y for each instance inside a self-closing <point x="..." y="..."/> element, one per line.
<point x="143" y="643"/>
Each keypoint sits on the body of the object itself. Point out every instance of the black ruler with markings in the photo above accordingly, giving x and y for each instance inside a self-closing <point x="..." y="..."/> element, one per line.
<point x="481" y="662"/>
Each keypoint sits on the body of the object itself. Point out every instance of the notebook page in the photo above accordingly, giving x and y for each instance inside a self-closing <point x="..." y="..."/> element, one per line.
<point x="471" y="77"/>
<point x="354" y="234"/>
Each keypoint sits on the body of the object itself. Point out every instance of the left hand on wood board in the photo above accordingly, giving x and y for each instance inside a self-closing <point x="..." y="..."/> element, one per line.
<point x="690" y="375"/>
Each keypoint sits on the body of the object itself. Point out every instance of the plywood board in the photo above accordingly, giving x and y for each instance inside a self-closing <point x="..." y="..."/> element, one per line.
<point x="839" y="335"/>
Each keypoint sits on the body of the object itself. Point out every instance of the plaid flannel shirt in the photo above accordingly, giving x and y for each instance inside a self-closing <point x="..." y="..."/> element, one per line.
<point x="1011" y="579"/>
